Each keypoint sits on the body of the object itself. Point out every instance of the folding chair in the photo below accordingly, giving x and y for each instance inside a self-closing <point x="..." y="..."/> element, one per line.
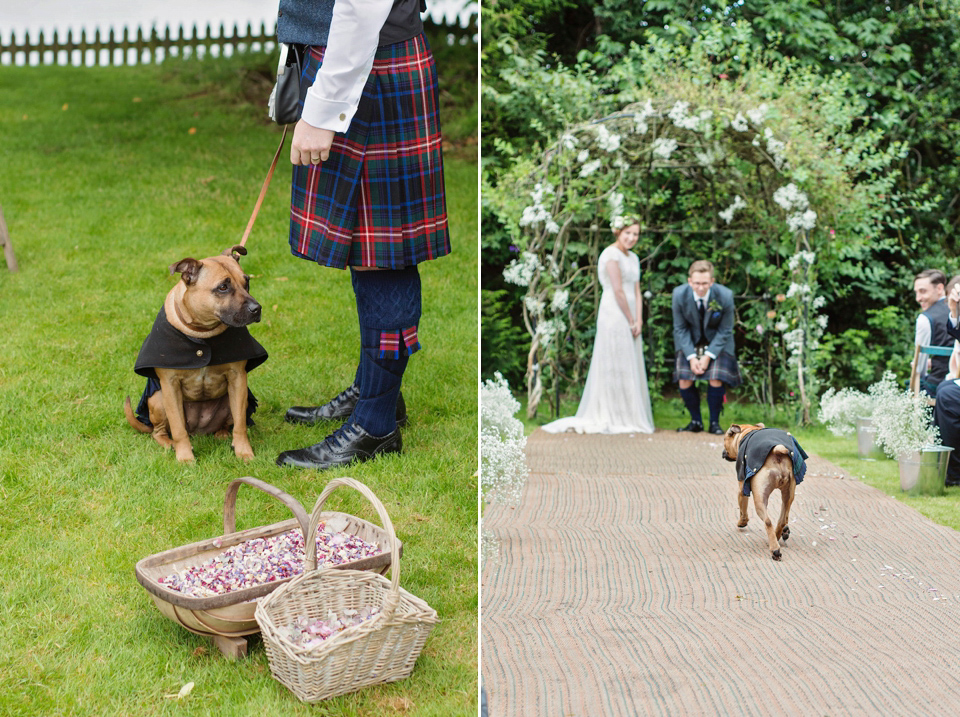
<point x="915" y="370"/>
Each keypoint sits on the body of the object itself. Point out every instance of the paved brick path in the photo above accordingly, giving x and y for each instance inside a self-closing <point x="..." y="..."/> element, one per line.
<point x="624" y="587"/>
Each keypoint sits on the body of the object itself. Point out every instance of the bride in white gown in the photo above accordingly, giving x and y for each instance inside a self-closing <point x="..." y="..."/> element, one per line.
<point x="615" y="397"/>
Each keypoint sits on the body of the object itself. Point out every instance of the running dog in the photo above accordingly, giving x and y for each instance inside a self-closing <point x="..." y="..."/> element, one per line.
<point x="767" y="459"/>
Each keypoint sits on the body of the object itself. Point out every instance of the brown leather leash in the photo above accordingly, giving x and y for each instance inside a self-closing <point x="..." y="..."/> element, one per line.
<point x="263" y="189"/>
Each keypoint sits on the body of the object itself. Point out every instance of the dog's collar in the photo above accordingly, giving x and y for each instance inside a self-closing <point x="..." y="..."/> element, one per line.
<point x="187" y="324"/>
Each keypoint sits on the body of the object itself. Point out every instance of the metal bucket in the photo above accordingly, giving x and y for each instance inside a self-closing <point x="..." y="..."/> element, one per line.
<point x="867" y="447"/>
<point x="925" y="473"/>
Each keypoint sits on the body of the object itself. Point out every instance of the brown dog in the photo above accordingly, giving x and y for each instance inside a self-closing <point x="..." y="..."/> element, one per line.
<point x="197" y="356"/>
<point x="767" y="459"/>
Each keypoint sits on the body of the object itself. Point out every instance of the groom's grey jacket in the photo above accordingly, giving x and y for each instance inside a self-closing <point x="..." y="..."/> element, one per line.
<point x="719" y="323"/>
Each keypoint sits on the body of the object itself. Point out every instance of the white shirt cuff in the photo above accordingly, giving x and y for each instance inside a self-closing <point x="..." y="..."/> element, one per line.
<point x="692" y="356"/>
<point x="327" y="114"/>
<point x="712" y="357"/>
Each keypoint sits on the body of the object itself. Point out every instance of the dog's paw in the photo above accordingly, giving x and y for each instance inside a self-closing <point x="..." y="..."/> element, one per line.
<point x="786" y="533"/>
<point x="243" y="452"/>
<point x="743" y="522"/>
<point x="777" y="556"/>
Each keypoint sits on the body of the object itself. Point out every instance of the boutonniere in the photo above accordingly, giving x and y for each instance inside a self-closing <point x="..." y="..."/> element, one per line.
<point x="714" y="306"/>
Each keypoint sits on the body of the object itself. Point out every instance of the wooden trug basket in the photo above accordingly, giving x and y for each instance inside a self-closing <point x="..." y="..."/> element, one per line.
<point x="230" y="616"/>
<point x="382" y="649"/>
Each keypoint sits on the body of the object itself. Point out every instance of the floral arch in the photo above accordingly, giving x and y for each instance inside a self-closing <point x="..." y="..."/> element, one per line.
<point x="777" y="163"/>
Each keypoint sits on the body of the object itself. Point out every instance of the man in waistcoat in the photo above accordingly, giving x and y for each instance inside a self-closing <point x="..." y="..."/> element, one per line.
<point x="703" y="338"/>
<point x="931" y="329"/>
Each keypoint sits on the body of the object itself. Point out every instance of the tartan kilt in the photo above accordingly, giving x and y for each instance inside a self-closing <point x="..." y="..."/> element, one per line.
<point x="379" y="198"/>
<point x="723" y="368"/>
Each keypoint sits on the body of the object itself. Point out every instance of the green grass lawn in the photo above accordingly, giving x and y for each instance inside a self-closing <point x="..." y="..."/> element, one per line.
<point x="884" y="475"/>
<point x="107" y="177"/>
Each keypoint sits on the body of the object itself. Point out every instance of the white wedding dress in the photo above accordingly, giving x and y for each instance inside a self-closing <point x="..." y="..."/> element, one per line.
<point x="615" y="397"/>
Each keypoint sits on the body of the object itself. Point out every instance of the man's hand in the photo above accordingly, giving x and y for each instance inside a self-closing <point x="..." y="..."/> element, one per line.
<point x="310" y="144"/>
<point x="700" y="365"/>
<point x="954" y="300"/>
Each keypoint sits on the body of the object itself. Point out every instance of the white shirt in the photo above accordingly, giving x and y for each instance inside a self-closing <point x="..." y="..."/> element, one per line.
<point x="355" y="28"/>
<point x="923" y="335"/>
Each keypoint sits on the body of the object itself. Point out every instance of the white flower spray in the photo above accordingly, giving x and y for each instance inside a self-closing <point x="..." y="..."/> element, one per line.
<point x="903" y="420"/>
<point x="663" y="147"/>
<point x="804" y="329"/>
<point x="727" y="214"/>
<point x="839" y="410"/>
<point x="503" y="467"/>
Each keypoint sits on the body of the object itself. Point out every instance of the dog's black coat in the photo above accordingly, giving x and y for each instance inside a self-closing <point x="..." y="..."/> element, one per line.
<point x="166" y="347"/>
<point x="756" y="446"/>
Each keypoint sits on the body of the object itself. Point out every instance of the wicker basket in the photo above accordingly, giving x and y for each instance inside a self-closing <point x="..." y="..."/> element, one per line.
<point x="232" y="614"/>
<point x="382" y="649"/>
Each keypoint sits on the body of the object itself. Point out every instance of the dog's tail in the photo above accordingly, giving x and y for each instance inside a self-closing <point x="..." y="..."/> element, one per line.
<point x="132" y="419"/>
<point x="782" y="461"/>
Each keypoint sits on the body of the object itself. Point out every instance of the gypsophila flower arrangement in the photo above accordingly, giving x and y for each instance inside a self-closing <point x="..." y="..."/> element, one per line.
<point x="503" y="468"/>
<point x="903" y="420"/>
<point x="839" y="410"/>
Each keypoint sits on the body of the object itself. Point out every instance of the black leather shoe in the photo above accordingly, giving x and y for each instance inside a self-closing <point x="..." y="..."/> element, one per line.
<point x="692" y="427"/>
<point x="347" y="444"/>
<point x="715" y="429"/>
<point x="338" y="408"/>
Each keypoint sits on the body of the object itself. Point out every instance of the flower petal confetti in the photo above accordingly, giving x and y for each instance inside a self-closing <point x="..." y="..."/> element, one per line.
<point x="307" y="633"/>
<point x="266" y="560"/>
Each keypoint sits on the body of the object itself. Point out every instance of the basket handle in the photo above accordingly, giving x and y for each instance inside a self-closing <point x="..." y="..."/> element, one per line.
<point x="310" y="563"/>
<point x="230" y="503"/>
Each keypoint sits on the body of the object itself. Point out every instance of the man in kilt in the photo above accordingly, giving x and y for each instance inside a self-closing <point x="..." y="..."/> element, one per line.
<point x="368" y="193"/>
<point x="703" y="339"/>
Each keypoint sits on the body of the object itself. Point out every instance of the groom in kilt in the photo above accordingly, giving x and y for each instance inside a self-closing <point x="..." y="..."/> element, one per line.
<point x="368" y="194"/>
<point x="703" y="339"/>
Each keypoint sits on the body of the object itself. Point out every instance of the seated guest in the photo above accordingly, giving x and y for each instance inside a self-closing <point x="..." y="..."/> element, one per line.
<point x="947" y="411"/>
<point x="947" y="417"/>
<point x="928" y="287"/>
<point x="953" y="300"/>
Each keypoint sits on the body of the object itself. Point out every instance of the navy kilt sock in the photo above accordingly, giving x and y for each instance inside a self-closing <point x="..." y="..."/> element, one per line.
<point x="358" y="377"/>
<point x="388" y="307"/>
<point x="715" y="396"/>
<point x="691" y="399"/>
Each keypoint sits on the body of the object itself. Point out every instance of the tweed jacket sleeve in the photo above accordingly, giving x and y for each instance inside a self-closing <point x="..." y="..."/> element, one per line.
<point x="682" y="336"/>
<point x="722" y="340"/>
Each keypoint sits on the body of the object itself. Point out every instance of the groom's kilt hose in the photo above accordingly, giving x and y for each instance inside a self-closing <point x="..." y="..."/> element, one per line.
<point x="379" y="199"/>
<point x="723" y="368"/>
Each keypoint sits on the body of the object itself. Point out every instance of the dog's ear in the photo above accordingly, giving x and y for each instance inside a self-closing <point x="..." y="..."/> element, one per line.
<point x="733" y="430"/>
<point x="188" y="268"/>
<point x="236" y="252"/>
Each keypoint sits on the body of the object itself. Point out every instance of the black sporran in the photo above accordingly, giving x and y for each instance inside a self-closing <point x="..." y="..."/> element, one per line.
<point x="284" y="105"/>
